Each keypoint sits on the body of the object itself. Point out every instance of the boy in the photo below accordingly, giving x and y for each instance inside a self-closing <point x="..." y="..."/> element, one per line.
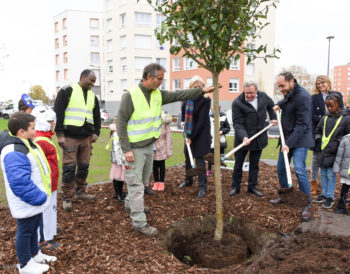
<point x="28" y="186"/>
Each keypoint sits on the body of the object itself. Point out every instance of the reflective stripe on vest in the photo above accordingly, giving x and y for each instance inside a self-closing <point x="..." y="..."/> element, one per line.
<point x="42" y="138"/>
<point x="145" y="122"/>
<point x="44" y="172"/>
<point x="77" y="110"/>
<point x="115" y="138"/>
<point x="325" y="140"/>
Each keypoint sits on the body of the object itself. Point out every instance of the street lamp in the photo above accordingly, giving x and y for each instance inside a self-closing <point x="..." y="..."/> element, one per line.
<point x="329" y="50"/>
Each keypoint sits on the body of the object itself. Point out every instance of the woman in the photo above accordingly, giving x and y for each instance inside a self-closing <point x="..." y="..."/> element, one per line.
<point x="195" y="115"/>
<point x="321" y="91"/>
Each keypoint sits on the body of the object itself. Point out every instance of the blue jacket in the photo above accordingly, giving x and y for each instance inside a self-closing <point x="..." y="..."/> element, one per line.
<point x="25" y="191"/>
<point x="296" y="118"/>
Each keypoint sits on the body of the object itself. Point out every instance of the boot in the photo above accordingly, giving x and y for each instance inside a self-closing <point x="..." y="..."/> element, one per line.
<point x="341" y="206"/>
<point x="313" y="187"/>
<point x="115" y="186"/>
<point x="118" y="187"/>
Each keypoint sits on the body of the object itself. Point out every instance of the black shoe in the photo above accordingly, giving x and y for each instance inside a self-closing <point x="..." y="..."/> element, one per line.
<point x="123" y="194"/>
<point x="120" y="198"/>
<point x="201" y="193"/>
<point x="184" y="184"/>
<point x="256" y="192"/>
<point x="234" y="191"/>
<point x="149" y="191"/>
<point x="341" y="211"/>
<point x="320" y="199"/>
<point x="328" y="203"/>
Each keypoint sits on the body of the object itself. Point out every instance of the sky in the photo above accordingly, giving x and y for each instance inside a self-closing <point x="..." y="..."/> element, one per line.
<point x="26" y="36"/>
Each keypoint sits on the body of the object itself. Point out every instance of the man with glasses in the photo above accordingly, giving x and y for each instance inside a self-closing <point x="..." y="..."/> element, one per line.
<point x="138" y="127"/>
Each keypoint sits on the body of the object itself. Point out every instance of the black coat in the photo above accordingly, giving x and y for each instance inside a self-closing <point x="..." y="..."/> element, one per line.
<point x="200" y="136"/>
<point x="247" y="121"/>
<point x="296" y="109"/>
<point x="329" y="153"/>
<point x="224" y="127"/>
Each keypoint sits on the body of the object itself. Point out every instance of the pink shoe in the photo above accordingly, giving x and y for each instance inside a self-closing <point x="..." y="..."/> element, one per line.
<point x="161" y="186"/>
<point x="155" y="186"/>
<point x="208" y="172"/>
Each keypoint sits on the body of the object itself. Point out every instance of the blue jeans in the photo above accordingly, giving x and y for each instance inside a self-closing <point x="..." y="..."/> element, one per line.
<point x="299" y="157"/>
<point x="27" y="238"/>
<point x="328" y="181"/>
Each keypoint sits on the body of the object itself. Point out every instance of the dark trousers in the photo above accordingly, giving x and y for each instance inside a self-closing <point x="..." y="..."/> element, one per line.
<point x="222" y="151"/>
<point x="202" y="178"/>
<point x="27" y="238"/>
<point x="159" y="171"/>
<point x="254" y="157"/>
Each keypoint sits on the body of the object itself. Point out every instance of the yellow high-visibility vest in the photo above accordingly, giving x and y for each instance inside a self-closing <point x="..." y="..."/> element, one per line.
<point x="145" y="122"/>
<point x="77" y="110"/>
<point x="325" y="139"/>
<point x="42" y="138"/>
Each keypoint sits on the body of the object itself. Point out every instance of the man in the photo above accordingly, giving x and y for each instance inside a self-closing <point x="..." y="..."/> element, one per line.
<point x="78" y="126"/>
<point x="138" y="126"/>
<point x="296" y="109"/>
<point x="249" y="117"/>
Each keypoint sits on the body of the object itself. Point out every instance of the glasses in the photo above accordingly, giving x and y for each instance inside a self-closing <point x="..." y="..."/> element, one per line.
<point x="320" y="83"/>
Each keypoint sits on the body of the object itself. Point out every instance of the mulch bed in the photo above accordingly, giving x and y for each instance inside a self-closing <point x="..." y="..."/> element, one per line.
<point x="97" y="236"/>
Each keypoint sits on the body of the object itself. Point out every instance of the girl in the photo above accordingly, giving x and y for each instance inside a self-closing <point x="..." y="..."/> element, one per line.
<point x="118" y="162"/>
<point x="332" y="127"/>
<point x="164" y="150"/>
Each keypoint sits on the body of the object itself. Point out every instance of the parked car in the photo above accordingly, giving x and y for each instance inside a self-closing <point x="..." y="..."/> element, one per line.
<point x="104" y="115"/>
<point x="9" y="110"/>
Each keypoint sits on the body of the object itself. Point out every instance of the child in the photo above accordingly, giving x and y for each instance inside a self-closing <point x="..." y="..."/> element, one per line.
<point x="224" y="129"/>
<point x="44" y="125"/>
<point x="25" y="104"/>
<point x="164" y="150"/>
<point x="118" y="162"/>
<point x="331" y="128"/>
<point x="28" y="187"/>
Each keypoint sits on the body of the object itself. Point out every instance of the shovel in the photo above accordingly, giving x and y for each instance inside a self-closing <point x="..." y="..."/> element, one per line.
<point x="194" y="171"/>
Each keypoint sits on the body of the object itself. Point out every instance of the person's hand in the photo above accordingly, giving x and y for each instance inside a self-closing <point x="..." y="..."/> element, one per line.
<point x="188" y="141"/>
<point x="285" y="148"/>
<point x="210" y="89"/>
<point x="94" y="138"/>
<point x="246" y="141"/>
<point x="129" y="156"/>
<point x="273" y="122"/>
<point x="62" y="141"/>
<point x="276" y="108"/>
<point x="221" y="132"/>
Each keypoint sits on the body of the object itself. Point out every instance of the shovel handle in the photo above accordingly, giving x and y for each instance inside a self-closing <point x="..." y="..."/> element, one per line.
<point x="242" y="144"/>
<point x="285" y="154"/>
<point x="189" y="152"/>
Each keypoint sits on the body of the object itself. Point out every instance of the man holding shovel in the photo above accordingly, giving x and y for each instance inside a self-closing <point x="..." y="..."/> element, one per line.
<point x="296" y="107"/>
<point x="249" y="117"/>
<point x="138" y="126"/>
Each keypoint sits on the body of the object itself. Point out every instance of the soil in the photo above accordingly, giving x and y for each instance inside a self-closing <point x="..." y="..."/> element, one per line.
<point x="97" y="236"/>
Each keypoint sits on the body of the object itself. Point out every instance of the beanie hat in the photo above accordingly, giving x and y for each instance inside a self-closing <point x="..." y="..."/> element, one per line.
<point x="43" y="115"/>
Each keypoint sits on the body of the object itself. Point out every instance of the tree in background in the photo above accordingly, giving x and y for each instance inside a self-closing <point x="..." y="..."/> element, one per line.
<point x="38" y="93"/>
<point x="213" y="34"/>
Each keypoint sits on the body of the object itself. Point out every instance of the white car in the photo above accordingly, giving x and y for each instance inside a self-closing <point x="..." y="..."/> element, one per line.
<point x="104" y="114"/>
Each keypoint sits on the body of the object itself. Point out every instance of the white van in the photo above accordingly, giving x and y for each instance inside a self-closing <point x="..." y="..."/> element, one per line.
<point x="9" y="110"/>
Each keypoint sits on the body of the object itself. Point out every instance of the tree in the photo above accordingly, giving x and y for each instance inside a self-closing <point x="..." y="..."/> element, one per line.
<point x="38" y="93"/>
<point x="212" y="32"/>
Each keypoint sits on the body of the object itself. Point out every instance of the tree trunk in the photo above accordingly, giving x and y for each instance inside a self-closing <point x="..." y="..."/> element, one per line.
<point x="218" y="191"/>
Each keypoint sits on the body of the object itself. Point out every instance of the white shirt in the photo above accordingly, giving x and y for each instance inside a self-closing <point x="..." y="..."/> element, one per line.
<point x="254" y="102"/>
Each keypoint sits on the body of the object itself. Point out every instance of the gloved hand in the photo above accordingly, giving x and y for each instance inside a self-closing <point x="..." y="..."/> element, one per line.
<point x="317" y="147"/>
<point x="61" y="142"/>
<point x="94" y="138"/>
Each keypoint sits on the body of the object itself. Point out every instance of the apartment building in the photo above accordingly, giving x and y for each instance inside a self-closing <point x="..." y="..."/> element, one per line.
<point x="78" y="45"/>
<point x="341" y="81"/>
<point x="130" y="45"/>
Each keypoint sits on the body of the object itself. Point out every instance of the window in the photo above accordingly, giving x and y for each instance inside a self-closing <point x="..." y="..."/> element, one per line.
<point x="123" y="64"/>
<point x="234" y="65"/>
<point x="64" y="23"/>
<point x="249" y="69"/>
<point x="187" y="83"/>
<point x="159" y="46"/>
<point x="109" y="25"/>
<point x="108" y="4"/>
<point x="189" y="64"/>
<point x="123" y="20"/>
<point x="97" y="74"/>
<point x="94" y="58"/>
<point x="250" y="46"/>
<point x="161" y="61"/>
<point x="110" y="65"/>
<point x="124" y="84"/>
<point x="57" y="59"/>
<point x="65" y="72"/>
<point x="141" y="62"/>
<point x="143" y="41"/>
<point x="109" y="45"/>
<point x="65" y="57"/>
<point x="64" y="40"/>
<point x="209" y="81"/>
<point x="57" y="45"/>
<point x="93" y="24"/>
<point x="122" y="41"/>
<point x="110" y="86"/>
<point x="142" y="19"/>
<point x="159" y="19"/>
<point x="94" y="41"/>
<point x="176" y="63"/>
<point x="56" y="26"/>
<point x="57" y="75"/>
<point x="176" y="84"/>
<point x="234" y="85"/>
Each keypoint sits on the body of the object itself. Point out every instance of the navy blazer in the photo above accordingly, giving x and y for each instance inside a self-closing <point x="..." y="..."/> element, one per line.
<point x="296" y="109"/>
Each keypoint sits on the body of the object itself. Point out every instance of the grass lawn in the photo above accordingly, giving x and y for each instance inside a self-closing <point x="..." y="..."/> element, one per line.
<point x="100" y="161"/>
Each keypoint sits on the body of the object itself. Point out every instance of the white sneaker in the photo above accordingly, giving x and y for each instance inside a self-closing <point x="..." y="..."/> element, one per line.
<point x="33" y="268"/>
<point x="43" y="258"/>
